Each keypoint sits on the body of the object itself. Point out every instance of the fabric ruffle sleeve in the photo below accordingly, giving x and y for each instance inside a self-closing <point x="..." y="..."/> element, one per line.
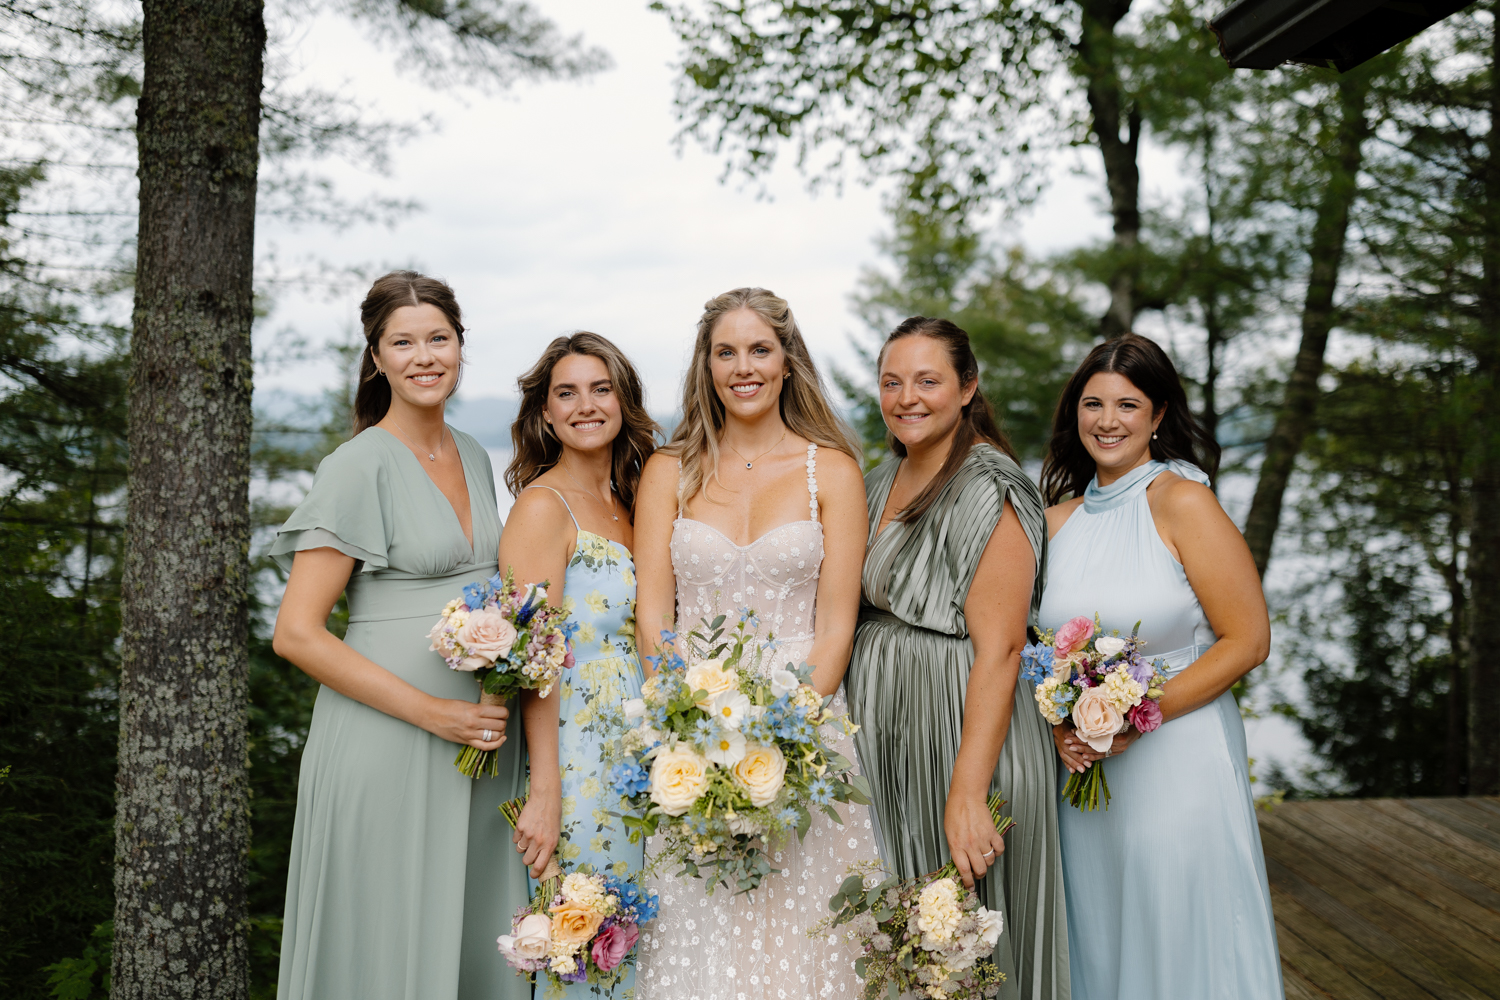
<point x="348" y="509"/>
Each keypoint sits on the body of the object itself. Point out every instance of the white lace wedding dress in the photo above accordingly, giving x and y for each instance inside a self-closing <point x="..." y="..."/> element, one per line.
<point x="755" y="946"/>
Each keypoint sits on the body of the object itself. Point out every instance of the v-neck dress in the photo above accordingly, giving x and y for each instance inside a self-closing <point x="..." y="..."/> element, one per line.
<point x="908" y="677"/>
<point x="402" y="872"/>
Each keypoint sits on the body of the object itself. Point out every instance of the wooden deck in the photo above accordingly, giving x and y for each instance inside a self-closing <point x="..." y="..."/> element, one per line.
<point x="1386" y="899"/>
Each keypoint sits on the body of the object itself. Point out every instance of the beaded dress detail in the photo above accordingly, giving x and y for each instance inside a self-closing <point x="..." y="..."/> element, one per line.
<point x="755" y="946"/>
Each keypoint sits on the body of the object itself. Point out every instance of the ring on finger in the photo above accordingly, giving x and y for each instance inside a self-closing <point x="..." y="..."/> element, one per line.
<point x="487" y="736"/>
<point x="989" y="853"/>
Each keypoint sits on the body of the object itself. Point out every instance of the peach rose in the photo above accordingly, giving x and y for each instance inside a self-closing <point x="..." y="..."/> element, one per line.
<point x="487" y="636"/>
<point x="761" y="773"/>
<point x="1072" y="636"/>
<point x="1097" y="719"/>
<point x="574" y="924"/>
<point x="678" y="777"/>
<point x="710" y="676"/>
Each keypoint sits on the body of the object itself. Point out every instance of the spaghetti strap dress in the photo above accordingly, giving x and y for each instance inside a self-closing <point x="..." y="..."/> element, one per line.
<point x="402" y="872"/>
<point x="907" y="681"/>
<point x="599" y="595"/>
<point x="1167" y="891"/>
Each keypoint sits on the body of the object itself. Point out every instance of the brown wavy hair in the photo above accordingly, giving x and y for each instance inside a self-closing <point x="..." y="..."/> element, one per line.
<point x="977" y="422"/>
<point x="1069" y="468"/>
<point x="803" y="402"/>
<point x="536" y="447"/>
<point x="390" y="292"/>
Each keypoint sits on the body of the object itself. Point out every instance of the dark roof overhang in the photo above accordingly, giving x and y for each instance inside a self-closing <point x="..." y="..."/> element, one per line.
<point x="1263" y="34"/>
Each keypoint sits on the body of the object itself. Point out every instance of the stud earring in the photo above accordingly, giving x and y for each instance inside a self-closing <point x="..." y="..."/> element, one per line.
<point x="1153" y="435"/>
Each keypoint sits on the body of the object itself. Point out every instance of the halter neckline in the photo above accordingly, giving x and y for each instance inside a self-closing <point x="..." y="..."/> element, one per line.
<point x="1097" y="499"/>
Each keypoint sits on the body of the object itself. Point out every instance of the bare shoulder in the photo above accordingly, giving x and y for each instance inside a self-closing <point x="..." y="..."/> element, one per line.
<point x="839" y="474"/>
<point x="538" y="510"/>
<point x="660" y="467"/>
<point x="1182" y="500"/>
<point x="1058" y="515"/>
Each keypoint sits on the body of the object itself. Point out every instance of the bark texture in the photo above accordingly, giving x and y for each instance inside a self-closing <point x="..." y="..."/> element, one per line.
<point x="1122" y="174"/>
<point x="1484" y="533"/>
<point x="1326" y="250"/>
<point x="182" y="829"/>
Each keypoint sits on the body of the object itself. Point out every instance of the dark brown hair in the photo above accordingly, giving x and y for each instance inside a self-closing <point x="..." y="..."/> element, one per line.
<point x="389" y="293"/>
<point x="536" y="447"/>
<point x="977" y="422"/>
<point x="1068" y="467"/>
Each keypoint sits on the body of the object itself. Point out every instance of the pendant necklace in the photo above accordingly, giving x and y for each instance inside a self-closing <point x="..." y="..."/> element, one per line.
<point x="591" y="493"/>
<point x="407" y="441"/>
<point x="750" y="462"/>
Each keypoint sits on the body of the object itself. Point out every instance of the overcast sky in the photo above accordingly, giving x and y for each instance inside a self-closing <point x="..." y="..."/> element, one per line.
<point x="565" y="206"/>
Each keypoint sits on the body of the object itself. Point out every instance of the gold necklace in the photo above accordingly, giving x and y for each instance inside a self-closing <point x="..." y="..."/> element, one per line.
<point x="593" y="494"/>
<point x="407" y="441"/>
<point x="750" y="462"/>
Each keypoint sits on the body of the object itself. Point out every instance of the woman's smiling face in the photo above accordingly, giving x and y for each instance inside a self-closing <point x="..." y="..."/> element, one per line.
<point x="747" y="364"/>
<point x="420" y="354"/>
<point x="582" y="408"/>
<point x="921" y="396"/>
<point x="1115" y="423"/>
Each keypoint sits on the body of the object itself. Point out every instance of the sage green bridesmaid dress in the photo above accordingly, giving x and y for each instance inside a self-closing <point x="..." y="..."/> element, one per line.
<point x="906" y="684"/>
<point x="402" y="872"/>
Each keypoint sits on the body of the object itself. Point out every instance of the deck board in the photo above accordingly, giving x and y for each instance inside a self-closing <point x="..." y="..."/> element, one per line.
<point x="1386" y="899"/>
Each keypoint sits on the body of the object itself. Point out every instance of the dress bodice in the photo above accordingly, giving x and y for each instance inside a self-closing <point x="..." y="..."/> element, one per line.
<point x="776" y="575"/>
<point x="1108" y="559"/>
<point x="600" y="597"/>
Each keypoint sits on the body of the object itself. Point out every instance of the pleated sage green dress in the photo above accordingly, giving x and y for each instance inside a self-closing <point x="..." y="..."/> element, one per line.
<point x="402" y="871"/>
<point x="906" y="684"/>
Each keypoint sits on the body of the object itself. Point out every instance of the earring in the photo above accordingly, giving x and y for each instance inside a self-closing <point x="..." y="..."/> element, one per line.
<point x="1153" y="435"/>
<point x="786" y="376"/>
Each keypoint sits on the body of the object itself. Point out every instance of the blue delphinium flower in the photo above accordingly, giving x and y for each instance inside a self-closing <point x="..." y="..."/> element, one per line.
<point x="820" y="792"/>
<point x="787" y="817"/>
<point x="658" y="716"/>
<point x="1062" y="696"/>
<point x="474" y="595"/>
<point x="1036" y="662"/>
<point x="569" y="627"/>
<point x="629" y="778"/>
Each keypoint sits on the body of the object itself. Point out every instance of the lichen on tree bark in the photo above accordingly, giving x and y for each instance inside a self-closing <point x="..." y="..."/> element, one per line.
<point x="181" y="828"/>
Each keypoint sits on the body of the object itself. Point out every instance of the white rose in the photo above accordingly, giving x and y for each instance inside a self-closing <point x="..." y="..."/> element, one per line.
<point x="634" y="709"/>
<point x="678" y="777"/>
<point x="761" y="772"/>
<point x="1097" y="719"/>
<point x="741" y="825"/>
<point x="710" y="676"/>
<point x="991" y="923"/>
<point x="1109" y="645"/>
<point x="531" y="940"/>
<point x="783" y="682"/>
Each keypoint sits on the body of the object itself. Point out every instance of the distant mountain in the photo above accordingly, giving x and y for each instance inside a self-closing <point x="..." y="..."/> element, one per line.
<point x="487" y="418"/>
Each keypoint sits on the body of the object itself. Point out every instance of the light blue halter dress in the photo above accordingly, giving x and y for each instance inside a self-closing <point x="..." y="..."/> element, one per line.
<point x="1166" y="890"/>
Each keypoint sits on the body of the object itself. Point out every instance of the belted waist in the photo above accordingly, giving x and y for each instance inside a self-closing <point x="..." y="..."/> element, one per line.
<point x="373" y="599"/>
<point x="870" y="613"/>
<point x="1179" y="660"/>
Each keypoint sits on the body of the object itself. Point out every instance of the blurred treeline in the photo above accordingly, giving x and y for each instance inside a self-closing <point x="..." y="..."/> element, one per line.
<point x="1369" y="575"/>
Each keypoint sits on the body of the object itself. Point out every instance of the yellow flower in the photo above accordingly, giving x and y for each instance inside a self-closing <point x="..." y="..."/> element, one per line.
<point x="596" y="602"/>
<point x="761" y="772"/>
<point x="567" y="605"/>
<point x="712" y="677"/>
<point x="589" y="789"/>
<point x="628" y="577"/>
<point x="614" y="553"/>
<point x="587" y="633"/>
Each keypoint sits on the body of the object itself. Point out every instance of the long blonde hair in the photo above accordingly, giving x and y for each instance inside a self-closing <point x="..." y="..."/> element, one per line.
<point x="534" y="445"/>
<point x="804" y="399"/>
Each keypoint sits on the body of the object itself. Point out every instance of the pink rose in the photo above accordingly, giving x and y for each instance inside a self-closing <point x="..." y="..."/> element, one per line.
<point x="486" y="636"/>
<point x="1072" y="636"/>
<point x="613" y="944"/>
<point x="1097" y="719"/>
<point x="1146" y="716"/>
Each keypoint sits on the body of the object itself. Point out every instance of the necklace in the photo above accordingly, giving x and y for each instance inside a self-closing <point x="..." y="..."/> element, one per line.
<point x="750" y="462"/>
<point x="407" y="441"/>
<point x="591" y="493"/>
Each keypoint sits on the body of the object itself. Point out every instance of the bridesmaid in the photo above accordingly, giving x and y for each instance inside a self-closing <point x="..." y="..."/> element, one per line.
<point x="580" y="442"/>
<point x="396" y="887"/>
<point x="1167" y="893"/>
<point x="950" y="581"/>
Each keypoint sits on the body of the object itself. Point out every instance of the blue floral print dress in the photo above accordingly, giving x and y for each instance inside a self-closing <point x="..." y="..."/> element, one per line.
<point x="599" y="596"/>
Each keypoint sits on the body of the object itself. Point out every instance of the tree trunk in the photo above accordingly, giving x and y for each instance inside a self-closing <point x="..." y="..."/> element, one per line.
<point x="181" y="828"/>
<point x="1484" y="533"/>
<point x="1326" y="251"/>
<point x="1096" y="52"/>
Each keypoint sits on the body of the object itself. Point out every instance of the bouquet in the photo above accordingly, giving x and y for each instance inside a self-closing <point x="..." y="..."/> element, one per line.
<point x="511" y="639"/>
<point x="578" y="928"/>
<point x="1103" y="682"/>
<point x="927" y="936"/>
<point x="719" y="758"/>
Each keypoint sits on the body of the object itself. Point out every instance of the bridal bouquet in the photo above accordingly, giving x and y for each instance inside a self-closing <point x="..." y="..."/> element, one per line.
<point x="927" y="936"/>
<point x="1101" y="681"/>
<point x="511" y="639"/>
<point x="719" y="757"/>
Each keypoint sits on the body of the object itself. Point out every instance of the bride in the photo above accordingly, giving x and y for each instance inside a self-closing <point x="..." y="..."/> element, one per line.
<point x="770" y="514"/>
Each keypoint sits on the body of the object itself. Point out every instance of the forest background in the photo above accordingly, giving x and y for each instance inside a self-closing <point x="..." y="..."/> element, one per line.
<point x="1318" y="252"/>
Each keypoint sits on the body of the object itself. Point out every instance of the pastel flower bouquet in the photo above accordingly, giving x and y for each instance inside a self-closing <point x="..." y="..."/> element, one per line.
<point x="1100" y="681"/>
<point x="511" y="639"/>
<point x="927" y="936"/>
<point x="720" y="758"/>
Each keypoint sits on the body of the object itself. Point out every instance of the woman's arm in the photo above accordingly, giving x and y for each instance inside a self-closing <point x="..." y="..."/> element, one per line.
<point x="655" y="586"/>
<point x="846" y="528"/>
<point x="537" y="543"/>
<point x="996" y="610"/>
<point x="317" y="579"/>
